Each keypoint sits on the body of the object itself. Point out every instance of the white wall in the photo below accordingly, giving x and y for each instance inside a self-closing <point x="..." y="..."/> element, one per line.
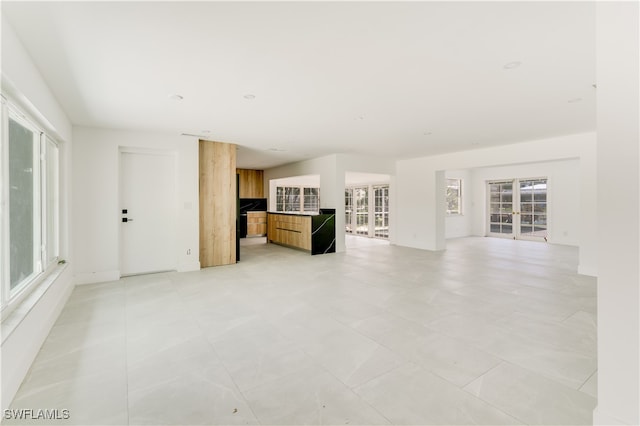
<point x="23" y="83"/>
<point x="96" y="213"/>
<point x="618" y="71"/>
<point x="563" y="196"/>
<point x="325" y="167"/>
<point x="21" y="77"/>
<point x="309" y="181"/>
<point x="420" y="189"/>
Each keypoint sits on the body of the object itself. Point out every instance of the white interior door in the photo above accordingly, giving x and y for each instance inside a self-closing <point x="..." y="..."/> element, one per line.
<point x="148" y="213"/>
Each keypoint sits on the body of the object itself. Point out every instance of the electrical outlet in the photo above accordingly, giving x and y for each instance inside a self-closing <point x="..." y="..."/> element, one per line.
<point x="188" y="252"/>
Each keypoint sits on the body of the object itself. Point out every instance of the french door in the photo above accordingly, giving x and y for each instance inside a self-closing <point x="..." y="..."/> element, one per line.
<point x="518" y="208"/>
<point x="381" y="211"/>
<point x="361" y="202"/>
<point x="367" y="211"/>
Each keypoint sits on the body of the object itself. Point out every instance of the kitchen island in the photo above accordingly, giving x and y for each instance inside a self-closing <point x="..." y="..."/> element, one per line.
<point x="315" y="233"/>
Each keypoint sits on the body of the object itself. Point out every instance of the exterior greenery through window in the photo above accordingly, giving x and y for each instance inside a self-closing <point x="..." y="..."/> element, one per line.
<point x="30" y="221"/>
<point x="297" y="199"/>
<point x="454" y="196"/>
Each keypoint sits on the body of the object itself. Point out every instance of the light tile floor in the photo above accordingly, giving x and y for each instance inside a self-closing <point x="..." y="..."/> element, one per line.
<point x="489" y="331"/>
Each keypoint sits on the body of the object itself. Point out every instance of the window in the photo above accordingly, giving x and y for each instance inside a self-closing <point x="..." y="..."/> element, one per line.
<point x="297" y="199"/>
<point x="291" y="199"/>
<point x="311" y="199"/>
<point x="30" y="191"/>
<point x="454" y="196"/>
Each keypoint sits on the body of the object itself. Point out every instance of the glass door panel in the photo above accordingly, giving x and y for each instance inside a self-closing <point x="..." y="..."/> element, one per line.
<point x="533" y="208"/>
<point x="361" y="201"/>
<point x="348" y="210"/>
<point x="381" y="211"/>
<point x="501" y="207"/>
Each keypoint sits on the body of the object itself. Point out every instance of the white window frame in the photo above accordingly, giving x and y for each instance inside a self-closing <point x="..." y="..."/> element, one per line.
<point x="43" y="263"/>
<point x="458" y="185"/>
<point x="50" y="246"/>
<point x="4" y="217"/>
<point x="301" y="209"/>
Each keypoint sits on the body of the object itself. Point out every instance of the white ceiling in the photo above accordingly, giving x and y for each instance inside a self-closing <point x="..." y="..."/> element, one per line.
<point x="391" y="79"/>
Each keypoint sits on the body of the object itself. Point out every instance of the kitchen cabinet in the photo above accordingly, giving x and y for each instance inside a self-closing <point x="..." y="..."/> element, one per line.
<point x="312" y="233"/>
<point x="251" y="183"/>
<point x="256" y="224"/>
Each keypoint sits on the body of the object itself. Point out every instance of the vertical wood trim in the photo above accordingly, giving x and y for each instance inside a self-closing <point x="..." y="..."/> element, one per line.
<point x="217" y="164"/>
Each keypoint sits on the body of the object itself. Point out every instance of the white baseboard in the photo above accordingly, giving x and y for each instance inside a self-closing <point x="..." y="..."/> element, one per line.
<point x="96" y="277"/>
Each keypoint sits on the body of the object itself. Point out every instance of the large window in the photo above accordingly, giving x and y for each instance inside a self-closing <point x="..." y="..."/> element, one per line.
<point x="23" y="202"/>
<point x="30" y="218"/>
<point x="454" y="196"/>
<point x="297" y="199"/>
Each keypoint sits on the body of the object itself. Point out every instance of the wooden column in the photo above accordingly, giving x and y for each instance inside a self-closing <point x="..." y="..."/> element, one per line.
<point x="217" y="162"/>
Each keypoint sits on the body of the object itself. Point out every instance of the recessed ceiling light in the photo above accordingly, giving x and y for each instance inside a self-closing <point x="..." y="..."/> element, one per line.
<point x="512" y="65"/>
<point x="276" y="150"/>
<point x="427" y="133"/>
<point x="249" y="96"/>
<point x="574" y="100"/>
<point x="176" y="97"/>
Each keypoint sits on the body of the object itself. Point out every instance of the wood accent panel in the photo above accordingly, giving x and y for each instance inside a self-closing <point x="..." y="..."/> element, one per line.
<point x="290" y="230"/>
<point x="251" y="183"/>
<point x="217" y="164"/>
<point x="256" y="223"/>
